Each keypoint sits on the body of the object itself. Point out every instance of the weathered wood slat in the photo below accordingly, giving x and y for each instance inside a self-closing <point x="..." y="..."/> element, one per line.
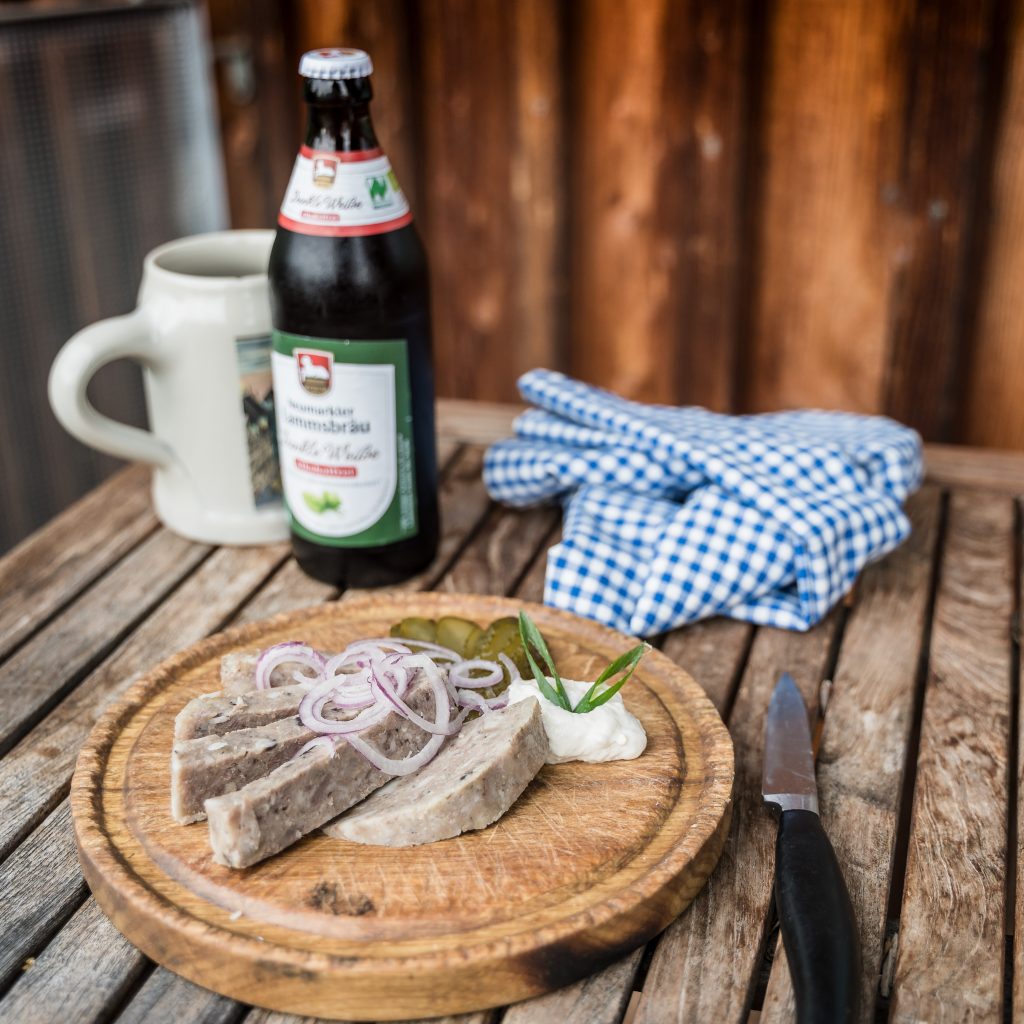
<point x="864" y="744"/>
<point x="260" y="123"/>
<point x="713" y="652"/>
<point x="940" y="170"/>
<point x="994" y="414"/>
<point x="531" y="587"/>
<point x="37" y="675"/>
<point x="1018" y="905"/>
<point x="707" y="43"/>
<point x="475" y="74"/>
<point x="36" y="773"/>
<point x="40" y="887"/>
<point x="600" y="999"/>
<point x="258" y="1016"/>
<point x="84" y="972"/>
<point x="43" y="573"/>
<point x="961" y="468"/>
<point x="475" y="422"/>
<point x="705" y="963"/>
<point x="830" y="103"/>
<point x="164" y="998"/>
<point x="537" y="186"/>
<point x="625" y="251"/>
<point x="949" y="964"/>
<point x="502" y="550"/>
<point x="287" y="589"/>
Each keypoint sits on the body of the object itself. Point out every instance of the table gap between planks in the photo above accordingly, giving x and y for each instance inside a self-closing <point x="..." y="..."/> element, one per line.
<point x="919" y="760"/>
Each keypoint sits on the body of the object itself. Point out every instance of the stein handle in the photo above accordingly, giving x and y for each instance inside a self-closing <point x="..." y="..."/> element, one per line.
<point x="76" y="364"/>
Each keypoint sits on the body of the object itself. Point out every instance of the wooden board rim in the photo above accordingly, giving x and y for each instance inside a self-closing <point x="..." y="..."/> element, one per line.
<point x="199" y="950"/>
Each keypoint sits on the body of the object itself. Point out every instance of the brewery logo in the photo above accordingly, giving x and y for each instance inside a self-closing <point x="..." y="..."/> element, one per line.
<point x="314" y="370"/>
<point x="381" y="189"/>
<point x="325" y="170"/>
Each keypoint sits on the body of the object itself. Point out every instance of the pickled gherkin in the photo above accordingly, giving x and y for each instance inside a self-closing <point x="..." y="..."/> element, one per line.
<point x="415" y="628"/>
<point x="502" y="637"/>
<point x="468" y="639"/>
<point x="459" y="635"/>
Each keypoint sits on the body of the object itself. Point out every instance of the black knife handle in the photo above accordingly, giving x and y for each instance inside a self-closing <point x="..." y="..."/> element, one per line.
<point x="818" y="927"/>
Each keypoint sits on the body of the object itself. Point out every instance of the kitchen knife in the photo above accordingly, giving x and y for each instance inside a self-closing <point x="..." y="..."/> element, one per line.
<point x="818" y="926"/>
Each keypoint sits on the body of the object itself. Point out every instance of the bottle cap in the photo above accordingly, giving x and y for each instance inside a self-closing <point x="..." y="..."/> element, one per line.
<point x="336" y="64"/>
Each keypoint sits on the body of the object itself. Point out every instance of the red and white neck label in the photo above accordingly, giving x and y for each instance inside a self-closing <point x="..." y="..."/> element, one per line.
<point x="343" y="194"/>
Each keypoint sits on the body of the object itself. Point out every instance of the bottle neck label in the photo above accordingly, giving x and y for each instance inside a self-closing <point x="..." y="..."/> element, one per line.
<point x="345" y="439"/>
<point x="343" y="194"/>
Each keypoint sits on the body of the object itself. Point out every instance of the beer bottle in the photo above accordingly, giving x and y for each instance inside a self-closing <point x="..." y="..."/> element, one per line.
<point x="353" y="379"/>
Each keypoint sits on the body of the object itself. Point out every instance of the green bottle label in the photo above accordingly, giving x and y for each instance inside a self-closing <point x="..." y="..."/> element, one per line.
<point x="344" y="438"/>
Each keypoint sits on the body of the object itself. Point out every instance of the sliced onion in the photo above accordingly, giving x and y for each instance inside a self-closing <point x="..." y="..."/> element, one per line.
<point x="460" y="674"/>
<point x="336" y="666"/>
<point x="474" y="702"/>
<point x="311" y="713"/>
<point x="408" y="765"/>
<point x="511" y="667"/>
<point x="377" y="645"/>
<point x="420" y="646"/>
<point x="372" y="677"/>
<point x="392" y="696"/>
<point x="284" y="653"/>
<point x="352" y="702"/>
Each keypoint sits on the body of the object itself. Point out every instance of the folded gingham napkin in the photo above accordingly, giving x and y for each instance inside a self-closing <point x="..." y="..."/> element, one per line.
<point x="677" y="514"/>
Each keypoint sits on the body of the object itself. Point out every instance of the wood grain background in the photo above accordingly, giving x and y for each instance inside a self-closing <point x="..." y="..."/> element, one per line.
<point x="747" y="206"/>
<point x="744" y="205"/>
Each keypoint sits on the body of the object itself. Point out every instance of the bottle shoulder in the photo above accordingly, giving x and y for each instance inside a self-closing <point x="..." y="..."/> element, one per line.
<point x="371" y="281"/>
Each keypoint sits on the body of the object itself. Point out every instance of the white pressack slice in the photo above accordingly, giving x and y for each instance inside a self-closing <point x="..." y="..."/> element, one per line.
<point x="471" y="783"/>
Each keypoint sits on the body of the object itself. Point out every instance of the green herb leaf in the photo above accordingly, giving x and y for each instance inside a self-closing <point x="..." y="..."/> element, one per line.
<point x="626" y="663"/>
<point x="532" y="640"/>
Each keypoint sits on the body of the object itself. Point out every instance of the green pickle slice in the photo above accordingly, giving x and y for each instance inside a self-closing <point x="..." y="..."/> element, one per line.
<point x="502" y="637"/>
<point x="460" y="635"/>
<point x="469" y="640"/>
<point x="416" y="629"/>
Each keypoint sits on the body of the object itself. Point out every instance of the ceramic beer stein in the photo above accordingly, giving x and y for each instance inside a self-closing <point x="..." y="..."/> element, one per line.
<point x="201" y="332"/>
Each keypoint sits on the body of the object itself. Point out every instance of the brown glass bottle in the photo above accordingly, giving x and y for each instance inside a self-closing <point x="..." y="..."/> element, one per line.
<point x="350" y="306"/>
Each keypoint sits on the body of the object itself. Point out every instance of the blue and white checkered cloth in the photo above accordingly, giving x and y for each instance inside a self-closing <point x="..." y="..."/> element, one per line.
<point x="677" y="514"/>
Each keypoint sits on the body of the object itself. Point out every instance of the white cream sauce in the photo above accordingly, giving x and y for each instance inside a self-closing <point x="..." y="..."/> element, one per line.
<point x="608" y="733"/>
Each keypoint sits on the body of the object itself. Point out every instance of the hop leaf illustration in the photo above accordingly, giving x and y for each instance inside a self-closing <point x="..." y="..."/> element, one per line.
<point x="325" y="502"/>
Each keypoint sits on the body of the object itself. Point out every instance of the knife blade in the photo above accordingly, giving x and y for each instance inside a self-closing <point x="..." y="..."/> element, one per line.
<point x="819" y="930"/>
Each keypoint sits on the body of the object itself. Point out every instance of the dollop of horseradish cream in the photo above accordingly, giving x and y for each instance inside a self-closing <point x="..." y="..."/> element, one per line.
<point x="608" y="733"/>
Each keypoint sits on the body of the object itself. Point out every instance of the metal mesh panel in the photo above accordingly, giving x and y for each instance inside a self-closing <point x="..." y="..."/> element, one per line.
<point x="108" y="147"/>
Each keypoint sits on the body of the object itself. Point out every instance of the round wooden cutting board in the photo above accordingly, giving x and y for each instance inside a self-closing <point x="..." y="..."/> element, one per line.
<point x="593" y="860"/>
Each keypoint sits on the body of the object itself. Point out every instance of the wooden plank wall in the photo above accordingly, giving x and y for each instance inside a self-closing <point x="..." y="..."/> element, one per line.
<point x="747" y="206"/>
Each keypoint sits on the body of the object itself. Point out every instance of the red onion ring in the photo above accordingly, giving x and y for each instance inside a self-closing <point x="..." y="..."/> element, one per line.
<point x="461" y="678"/>
<point x="422" y="647"/>
<point x="403" y="709"/>
<point x="371" y="678"/>
<point x="510" y="667"/>
<point x="285" y="653"/>
<point x="408" y="765"/>
<point x="474" y="702"/>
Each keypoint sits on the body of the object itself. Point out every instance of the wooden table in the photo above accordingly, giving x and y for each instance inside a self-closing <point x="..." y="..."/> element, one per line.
<point x="919" y="762"/>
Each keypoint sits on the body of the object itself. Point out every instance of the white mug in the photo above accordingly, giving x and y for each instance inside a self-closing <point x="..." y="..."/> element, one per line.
<point x="201" y="331"/>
